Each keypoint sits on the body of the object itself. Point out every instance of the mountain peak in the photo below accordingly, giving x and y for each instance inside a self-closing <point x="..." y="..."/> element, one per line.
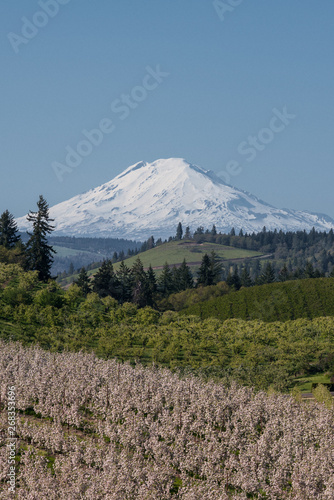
<point x="151" y="198"/>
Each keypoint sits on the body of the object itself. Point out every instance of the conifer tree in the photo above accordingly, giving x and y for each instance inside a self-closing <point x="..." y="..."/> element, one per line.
<point x="284" y="274"/>
<point x="140" y="290"/>
<point x="152" y="281"/>
<point x="187" y="234"/>
<point x="216" y="268"/>
<point x="205" y="273"/>
<point x="83" y="282"/>
<point x="268" y="275"/>
<point x="165" y="281"/>
<point x="8" y="230"/>
<point x="105" y="282"/>
<point x="245" y="278"/>
<point x="185" y="277"/>
<point x="39" y="253"/>
<point x="125" y="283"/>
<point x="213" y="231"/>
<point x="233" y="279"/>
<point x="179" y="232"/>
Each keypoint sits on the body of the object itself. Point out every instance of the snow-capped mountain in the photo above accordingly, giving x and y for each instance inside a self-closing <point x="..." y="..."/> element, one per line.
<point x="151" y="198"/>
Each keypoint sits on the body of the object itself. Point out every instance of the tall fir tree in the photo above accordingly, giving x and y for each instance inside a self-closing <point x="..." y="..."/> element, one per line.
<point x="152" y="281"/>
<point x="185" y="278"/>
<point x="233" y="279"/>
<point x="216" y="268"/>
<point x="39" y="252"/>
<point x="140" y="289"/>
<point x="83" y="282"/>
<point x="8" y="230"/>
<point x="205" y="273"/>
<point x="268" y="275"/>
<point x="125" y="281"/>
<point x="105" y="282"/>
<point x="187" y="234"/>
<point x="165" y="281"/>
<point x="179" y="232"/>
<point x="245" y="278"/>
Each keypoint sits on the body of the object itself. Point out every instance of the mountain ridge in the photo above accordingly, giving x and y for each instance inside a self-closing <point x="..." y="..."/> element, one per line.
<point x="151" y="198"/>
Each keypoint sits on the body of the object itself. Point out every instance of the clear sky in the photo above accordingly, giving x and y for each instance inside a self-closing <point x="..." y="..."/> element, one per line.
<point x="222" y="69"/>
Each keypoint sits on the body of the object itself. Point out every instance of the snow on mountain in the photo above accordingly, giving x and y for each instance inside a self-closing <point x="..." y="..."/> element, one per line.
<point x="151" y="198"/>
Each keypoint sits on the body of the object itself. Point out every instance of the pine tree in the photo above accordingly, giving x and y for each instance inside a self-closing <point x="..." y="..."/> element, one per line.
<point x="39" y="253"/>
<point x="165" y="281"/>
<point x="105" y="282"/>
<point x="187" y="233"/>
<point x="216" y="268"/>
<point x="8" y="230"/>
<point x="233" y="280"/>
<point x="213" y="231"/>
<point x="140" y="290"/>
<point x="245" y="278"/>
<point x="83" y="282"/>
<point x="309" y="271"/>
<point x="125" y="283"/>
<point x="284" y="274"/>
<point x="185" y="277"/>
<point x="179" y="232"/>
<point x="152" y="281"/>
<point x="268" y="275"/>
<point x="205" y="273"/>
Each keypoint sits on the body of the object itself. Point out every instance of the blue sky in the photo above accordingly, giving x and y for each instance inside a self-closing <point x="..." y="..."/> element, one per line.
<point x="228" y="69"/>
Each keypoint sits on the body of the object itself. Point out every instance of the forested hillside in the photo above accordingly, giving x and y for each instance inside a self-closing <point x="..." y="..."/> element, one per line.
<point x="310" y="298"/>
<point x="254" y="353"/>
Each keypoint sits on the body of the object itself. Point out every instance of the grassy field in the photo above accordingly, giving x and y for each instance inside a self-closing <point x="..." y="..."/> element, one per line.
<point x="70" y="252"/>
<point x="175" y="251"/>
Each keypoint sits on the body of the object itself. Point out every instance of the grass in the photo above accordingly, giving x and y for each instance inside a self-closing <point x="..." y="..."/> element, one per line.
<point x="70" y="252"/>
<point x="175" y="251"/>
<point x="304" y="384"/>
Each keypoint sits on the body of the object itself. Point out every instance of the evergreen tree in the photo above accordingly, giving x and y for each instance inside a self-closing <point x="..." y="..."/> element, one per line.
<point x="213" y="231"/>
<point x="105" y="282"/>
<point x="140" y="290"/>
<point x="245" y="278"/>
<point x="8" y="230"/>
<point x="150" y="243"/>
<point x="284" y="274"/>
<point x="185" y="277"/>
<point x="83" y="282"/>
<point x="205" y="273"/>
<point x="179" y="232"/>
<point x="165" y="281"/>
<point x="309" y="271"/>
<point x="268" y="275"/>
<point x="152" y="281"/>
<point x="39" y="253"/>
<point x="71" y="269"/>
<point x="216" y="268"/>
<point x="233" y="280"/>
<point x="187" y="233"/>
<point x="125" y="283"/>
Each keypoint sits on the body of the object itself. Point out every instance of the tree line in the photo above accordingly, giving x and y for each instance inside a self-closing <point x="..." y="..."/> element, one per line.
<point x="36" y="254"/>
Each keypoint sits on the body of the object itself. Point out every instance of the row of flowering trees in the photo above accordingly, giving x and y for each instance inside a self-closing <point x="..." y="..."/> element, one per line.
<point x="93" y="429"/>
